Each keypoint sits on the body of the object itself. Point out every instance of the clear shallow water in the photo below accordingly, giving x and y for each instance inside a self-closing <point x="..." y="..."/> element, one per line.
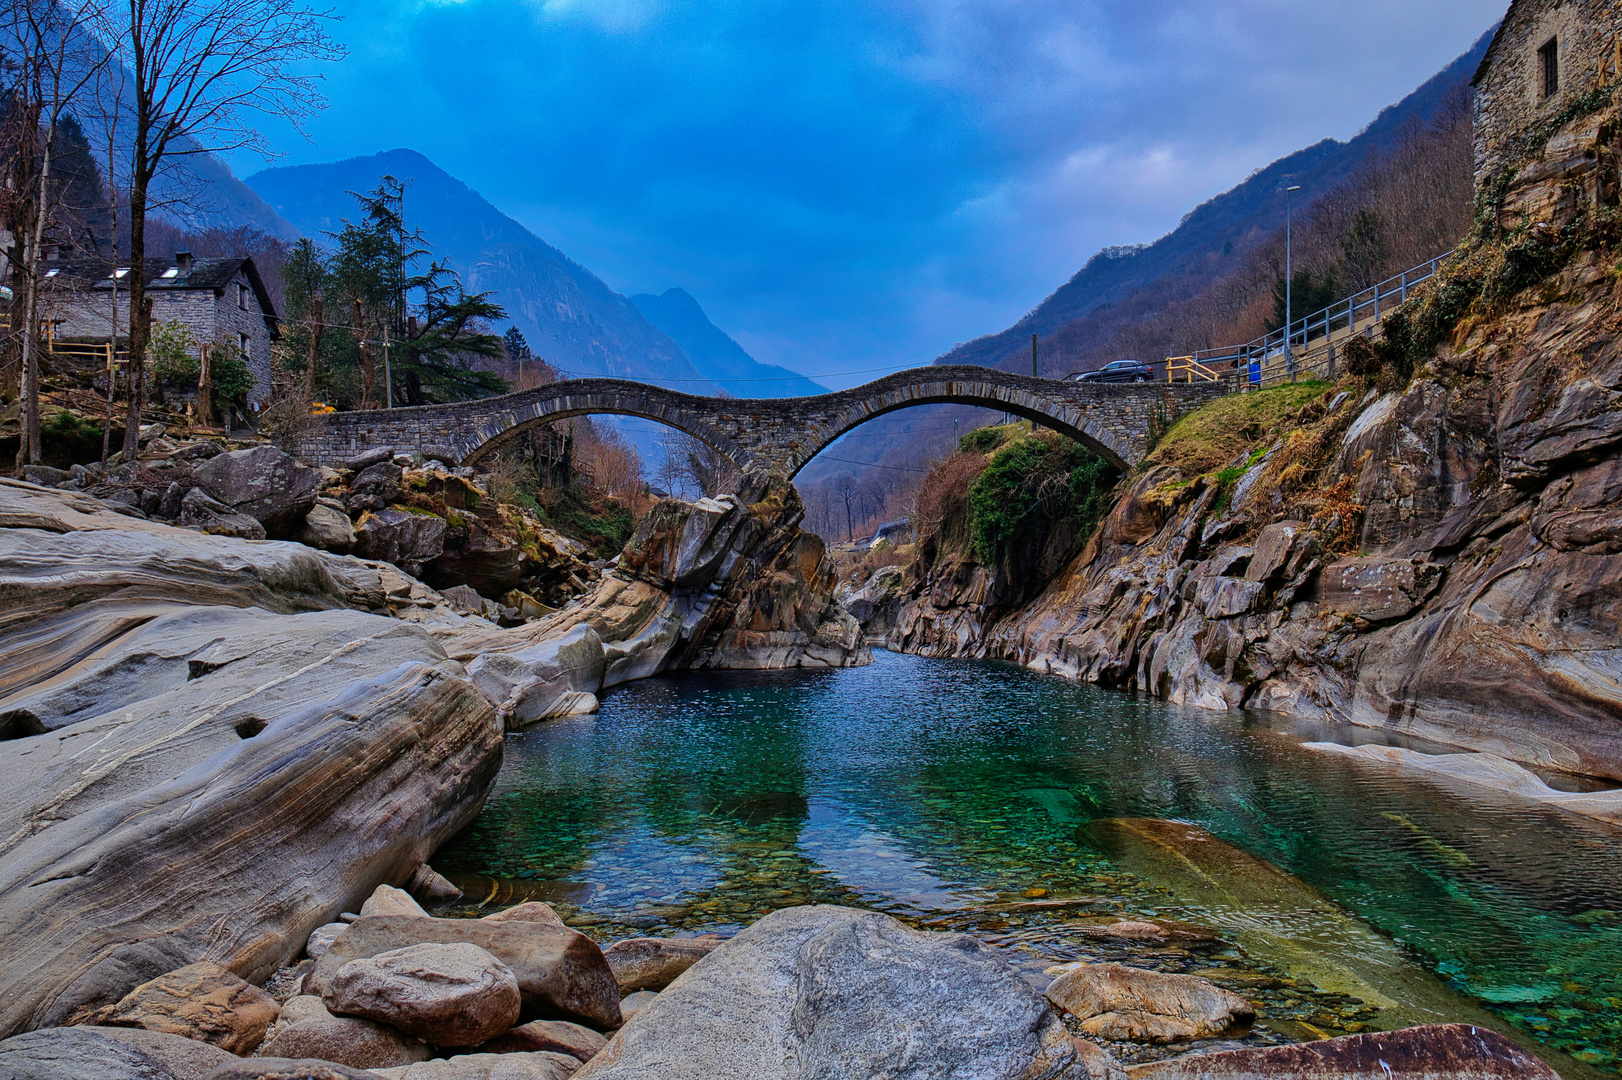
<point x="952" y="793"/>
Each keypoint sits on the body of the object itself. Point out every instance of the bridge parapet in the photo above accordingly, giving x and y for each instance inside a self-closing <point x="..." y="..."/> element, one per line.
<point x="775" y="434"/>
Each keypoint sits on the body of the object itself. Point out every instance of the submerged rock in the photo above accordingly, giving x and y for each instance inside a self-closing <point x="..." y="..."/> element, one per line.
<point x="1429" y="1052"/>
<point x="832" y="992"/>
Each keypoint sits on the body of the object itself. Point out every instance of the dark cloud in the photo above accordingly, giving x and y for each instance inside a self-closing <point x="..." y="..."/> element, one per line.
<point x="850" y="183"/>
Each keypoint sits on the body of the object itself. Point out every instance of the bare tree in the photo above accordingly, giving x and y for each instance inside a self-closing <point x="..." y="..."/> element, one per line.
<point x="202" y="70"/>
<point x="52" y="63"/>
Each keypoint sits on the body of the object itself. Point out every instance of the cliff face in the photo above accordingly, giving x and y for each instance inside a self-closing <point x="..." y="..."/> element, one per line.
<point x="1439" y="554"/>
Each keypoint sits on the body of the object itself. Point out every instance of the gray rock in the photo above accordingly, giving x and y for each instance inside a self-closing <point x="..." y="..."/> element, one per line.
<point x="44" y="475"/>
<point x="327" y="529"/>
<point x="370" y="457"/>
<point x="201" y="450"/>
<point x="173" y="502"/>
<point x="557" y="677"/>
<point x="77" y="1054"/>
<point x="450" y="994"/>
<point x="397" y="536"/>
<point x="553" y="1036"/>
<point x="636" y="1001"/>
<point x="828" y="992"/>
<point x="375" y="487"/>
<point x="387" y="900"/>
<point x="1378" y="589"/>
<point x="1113" y="1001"/>
<point x="188" y="1059"/>
<point x="198" y="510"/>
<point x="264" y="483"/>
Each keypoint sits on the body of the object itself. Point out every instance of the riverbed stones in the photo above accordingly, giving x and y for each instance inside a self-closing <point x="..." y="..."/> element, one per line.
<point x="270" y="1068"/>
<point x="454" y="994"/>
<point x="561" y="973"/>
<point x="322" y="937"/>
<point x="264" y="483"/>
<point x="188" y="1059"/>
<point x="832" y="992"/>
<point x="530" y="911"/>
<point x="635" y="1002"/>
<point x="1427" y="1052"/>
<point x="308" y="1030"/>
<point x="202" y="1001"/>
<point x="554" y="1036"/>
<point x="654" y="963"/>
<point x="1113" y="1001"/>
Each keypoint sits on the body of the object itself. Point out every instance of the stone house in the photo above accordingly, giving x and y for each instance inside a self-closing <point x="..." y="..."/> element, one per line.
<point x="221" y="300"/>
<point x="1547" y="56"/>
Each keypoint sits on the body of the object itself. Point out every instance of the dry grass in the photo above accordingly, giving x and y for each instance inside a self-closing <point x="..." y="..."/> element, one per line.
<point x="943" y="516"/>
<point x="1211" y="437"/>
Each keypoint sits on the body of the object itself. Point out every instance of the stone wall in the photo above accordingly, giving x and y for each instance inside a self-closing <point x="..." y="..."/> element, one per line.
<point x="778" y="435"/>
<point x="1509" y="87"/>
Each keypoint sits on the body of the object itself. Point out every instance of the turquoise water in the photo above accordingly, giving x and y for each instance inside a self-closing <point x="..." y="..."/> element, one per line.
<point x="954" y="794"/>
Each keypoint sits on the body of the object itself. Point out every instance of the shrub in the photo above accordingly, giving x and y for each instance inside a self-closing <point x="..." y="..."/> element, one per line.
<point x="1362" y="359"/>
<point x="174" y="354"/>
<point x="1029" y="486"/>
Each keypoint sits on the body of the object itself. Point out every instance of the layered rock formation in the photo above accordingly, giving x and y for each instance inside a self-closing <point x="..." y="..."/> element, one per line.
<point x="1439" y="555"/>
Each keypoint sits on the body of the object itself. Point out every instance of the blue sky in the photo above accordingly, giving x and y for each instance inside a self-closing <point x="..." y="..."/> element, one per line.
<point x="847" y="185"/>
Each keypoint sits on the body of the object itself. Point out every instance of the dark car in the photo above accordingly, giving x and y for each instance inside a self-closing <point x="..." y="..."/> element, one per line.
<point x="1118" y="371"/>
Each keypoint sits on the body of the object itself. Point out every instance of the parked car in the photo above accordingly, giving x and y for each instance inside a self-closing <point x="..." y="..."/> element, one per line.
<point x="1118" y="371"/>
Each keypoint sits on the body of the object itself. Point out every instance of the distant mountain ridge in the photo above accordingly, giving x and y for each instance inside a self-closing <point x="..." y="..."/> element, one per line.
<point x="569" y="316"/>
<point x="1220" y="230"/>
<point x="714" y="352"/>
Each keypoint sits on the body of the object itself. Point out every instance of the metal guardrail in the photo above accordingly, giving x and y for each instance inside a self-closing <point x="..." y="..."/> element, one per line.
<point x="1307" y="347"/>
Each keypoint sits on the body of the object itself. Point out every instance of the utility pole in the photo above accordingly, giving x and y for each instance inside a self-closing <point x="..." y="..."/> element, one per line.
<point x="1034" y="375"/>
<point x="388" y="372"/>
<point x="1289" y="283"/>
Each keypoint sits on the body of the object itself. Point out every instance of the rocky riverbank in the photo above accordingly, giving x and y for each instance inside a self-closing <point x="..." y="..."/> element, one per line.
<point x="216" y="743"/>
<point x="1429" y="545"/>
<point x="816" y="991"/>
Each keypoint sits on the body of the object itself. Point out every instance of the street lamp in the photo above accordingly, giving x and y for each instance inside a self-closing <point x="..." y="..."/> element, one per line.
<point x="1289" y="282"/>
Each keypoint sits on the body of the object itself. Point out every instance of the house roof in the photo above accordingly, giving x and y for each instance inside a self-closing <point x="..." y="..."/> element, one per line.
<point x="1515" y="7"/>
<point x="164" y="275"/>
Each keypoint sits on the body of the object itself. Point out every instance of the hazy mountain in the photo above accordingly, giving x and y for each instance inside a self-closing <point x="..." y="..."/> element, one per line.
<point x="715" y="354"/>
<point x="1212" y="237"/>
<point x="568" y="315"/>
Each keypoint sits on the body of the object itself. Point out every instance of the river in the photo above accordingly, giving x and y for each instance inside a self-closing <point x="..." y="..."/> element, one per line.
<point x="982" y="797"/>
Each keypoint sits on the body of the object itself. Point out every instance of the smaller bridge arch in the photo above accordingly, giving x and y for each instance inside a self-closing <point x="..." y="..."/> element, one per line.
<point x="772" y="434"/>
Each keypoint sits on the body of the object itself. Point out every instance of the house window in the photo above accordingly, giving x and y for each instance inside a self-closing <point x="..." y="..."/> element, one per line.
<point x="1549" y="65"/>
<point x="242" y="343"/>
<point x="242" y="297"/>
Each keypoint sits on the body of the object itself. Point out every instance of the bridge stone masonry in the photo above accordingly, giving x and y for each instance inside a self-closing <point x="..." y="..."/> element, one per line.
<point x="777" y="435"/>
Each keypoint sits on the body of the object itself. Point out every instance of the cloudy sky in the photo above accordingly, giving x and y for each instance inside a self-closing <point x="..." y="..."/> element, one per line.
<point x="846" y="184"/>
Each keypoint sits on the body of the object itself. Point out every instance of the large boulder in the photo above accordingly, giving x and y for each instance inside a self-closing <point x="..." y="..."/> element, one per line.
<point x="402" y="537"/>
<point x="453" y="994"/>
<point x="200" y="1001"/>
<point x="188" y="1059"/>
<point x="488" y="561"/>
<point x="264" y="483"/>
<point x="328" y="529"/>
<point x="198" y="510"/>
<point x="77" y="1054"/>
<point x="1428" y="1052"/>
<point x="224" y="772"/>
<point x="832" y="992"/>
<point x="377" y="485"/>
<point x="1113" y="1001"/>
<point x="561" y="973"/>
<point x="556" y="677"/>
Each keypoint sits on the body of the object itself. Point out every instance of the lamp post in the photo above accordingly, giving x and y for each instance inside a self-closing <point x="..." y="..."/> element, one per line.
<point x="1289" y="282"/>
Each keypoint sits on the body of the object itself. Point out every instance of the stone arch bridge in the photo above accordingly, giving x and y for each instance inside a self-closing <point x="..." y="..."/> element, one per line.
<point x="777" y="435"/>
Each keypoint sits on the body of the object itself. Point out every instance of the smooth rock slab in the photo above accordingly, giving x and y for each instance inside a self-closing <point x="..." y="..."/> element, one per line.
<point x="450" y="994"/>
<point x="188" y="1059"/>
<point x="832" y="993"/>
<point x="561" y="973"/>
<point x="1113" y="1001"/>
<point x="77" y="1054"/>
<point x="654" y="963"/>
<point x="1428" y="1052"/>
<point x="199" y="1001"/>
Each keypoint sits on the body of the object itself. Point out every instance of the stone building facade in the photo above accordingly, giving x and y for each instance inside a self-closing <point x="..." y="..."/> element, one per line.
<point x="1546" y="56"/>
<point x="220" y="300"/>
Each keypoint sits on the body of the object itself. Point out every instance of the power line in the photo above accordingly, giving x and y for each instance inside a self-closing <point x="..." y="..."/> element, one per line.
<point x="868" y="464"/>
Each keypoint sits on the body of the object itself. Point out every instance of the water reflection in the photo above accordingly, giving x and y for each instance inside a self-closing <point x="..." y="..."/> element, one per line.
<point x="942" y="790"/>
